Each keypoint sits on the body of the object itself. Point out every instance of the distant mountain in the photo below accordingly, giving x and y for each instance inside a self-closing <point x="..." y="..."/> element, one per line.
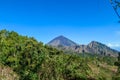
<point x="102" y="49"/>
<point x="93" y="47"/>
<point x="62" y="41"/>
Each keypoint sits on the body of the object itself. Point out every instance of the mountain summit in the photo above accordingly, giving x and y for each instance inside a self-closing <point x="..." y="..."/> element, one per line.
<point x="62" y="41"/>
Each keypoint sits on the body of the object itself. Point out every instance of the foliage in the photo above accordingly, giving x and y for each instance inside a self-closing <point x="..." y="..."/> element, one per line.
<point x="32" y="60"/>
<point x="23" y="54"/>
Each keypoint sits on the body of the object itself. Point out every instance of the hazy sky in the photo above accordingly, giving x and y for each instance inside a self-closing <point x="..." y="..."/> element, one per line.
<point x="80" y="20"/>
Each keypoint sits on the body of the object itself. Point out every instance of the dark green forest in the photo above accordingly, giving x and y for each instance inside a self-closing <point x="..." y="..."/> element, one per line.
<point x="24" y="58"/>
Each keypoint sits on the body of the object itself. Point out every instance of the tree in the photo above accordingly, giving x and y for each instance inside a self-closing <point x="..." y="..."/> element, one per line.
<point x="118" y="62"/>
<point x="24" y="55"/>
<point x="116" y="5"/>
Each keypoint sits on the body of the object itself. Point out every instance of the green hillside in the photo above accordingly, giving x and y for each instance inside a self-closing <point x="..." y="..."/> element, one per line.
<point x="24" y="58"/>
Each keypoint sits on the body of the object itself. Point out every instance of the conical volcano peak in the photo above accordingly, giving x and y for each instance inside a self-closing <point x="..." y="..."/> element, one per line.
<point x="61" y="41"/>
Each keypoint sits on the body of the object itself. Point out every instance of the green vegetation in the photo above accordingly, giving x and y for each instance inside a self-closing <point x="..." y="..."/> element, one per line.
<point x="117" y="63"/>
<point x="29" y="59"/>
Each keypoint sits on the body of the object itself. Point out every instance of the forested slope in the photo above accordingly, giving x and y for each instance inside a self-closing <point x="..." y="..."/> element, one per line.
<point x="29" y="59"/>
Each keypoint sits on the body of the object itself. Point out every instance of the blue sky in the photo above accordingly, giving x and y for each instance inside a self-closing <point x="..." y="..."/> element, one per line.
<point x="80" y="20"/>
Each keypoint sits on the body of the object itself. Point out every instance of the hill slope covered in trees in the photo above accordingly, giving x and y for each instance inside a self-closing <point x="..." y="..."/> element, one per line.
<point x="28" y="59"/>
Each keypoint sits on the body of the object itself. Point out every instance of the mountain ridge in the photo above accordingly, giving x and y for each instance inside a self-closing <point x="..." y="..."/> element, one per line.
<point x="93" y="47"/>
